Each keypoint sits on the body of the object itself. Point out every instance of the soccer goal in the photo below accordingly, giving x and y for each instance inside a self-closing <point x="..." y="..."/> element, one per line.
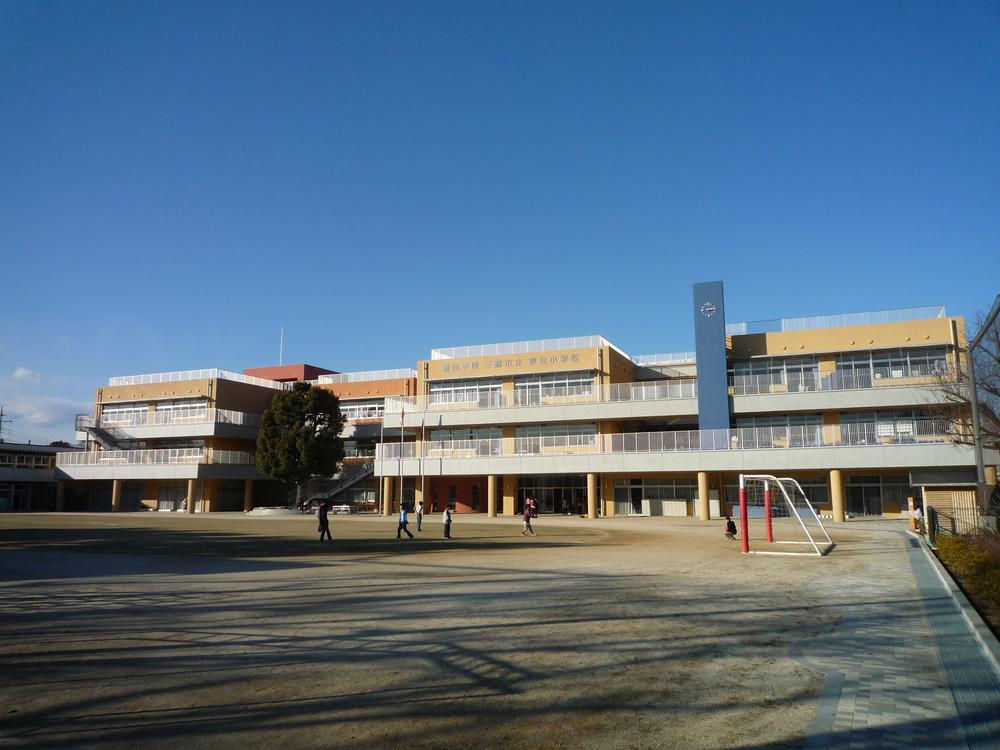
<point x="779" y="505"/>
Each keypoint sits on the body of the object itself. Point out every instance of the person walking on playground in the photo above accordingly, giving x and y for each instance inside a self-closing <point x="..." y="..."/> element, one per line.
<point x="446" y="517"/>
<point x="730" y="528"/>
<point x="420" y="515"/>
<point x="527" y="521"/>
<point x="324" y="522"/>
<point x="403" y="520"/>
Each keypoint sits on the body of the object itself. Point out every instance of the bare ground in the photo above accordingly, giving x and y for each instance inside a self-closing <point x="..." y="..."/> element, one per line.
<point x="174" y="631"/>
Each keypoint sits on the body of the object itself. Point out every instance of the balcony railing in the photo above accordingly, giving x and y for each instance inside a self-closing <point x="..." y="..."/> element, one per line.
<point x="897" y="432"/>
<point x="182" y="375"/>
<point x="168" y="417"/>
<point x="366" y="376"/>
<point x="876" y="377"/>
<point x="554" y="396"/>
<point x="362" y="412"/>
<point x="156" y="457"/>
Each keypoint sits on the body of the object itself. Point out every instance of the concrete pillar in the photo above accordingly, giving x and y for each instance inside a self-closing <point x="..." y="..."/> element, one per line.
<point x="386" y="496"/>
<point x="703" y="509"/>
<point x="247" y="495"/>
<point x="910" y="507"/>
<point x="491" y="496"/>
<point x="418" y="493"/>
<point x="190" y="496"/>
<point x="509" y="494"/>
<point x="837" y="495"/>
<point x="60" y="496"/>
<point x="116" y="495"/>
<point x="592" y="496"/>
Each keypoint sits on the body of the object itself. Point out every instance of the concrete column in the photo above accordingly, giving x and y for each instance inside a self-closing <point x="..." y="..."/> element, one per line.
<point x="491" y="496"/>
<point x="509" y="493"/>
<point x="190" y="496"/>
<point x="592" y="496"/>
<point x="837" y="495"/>
<point x="913" y="521"/>
<point x="247" y="495"/>
<point x="386" y="496"/>
<point x="116" y="495"/>
<point x="703" y="509"/>
<point x="60" y="496"/>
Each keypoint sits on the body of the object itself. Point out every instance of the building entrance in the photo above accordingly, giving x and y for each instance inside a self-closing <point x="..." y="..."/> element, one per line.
<point x="555" y="493"/>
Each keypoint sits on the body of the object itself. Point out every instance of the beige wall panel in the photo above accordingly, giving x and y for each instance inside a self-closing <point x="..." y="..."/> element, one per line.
<point x="845" y="339"/>
<point x="180" y="389"/>
<point x="373" y="388"/>
<point x="231" y="444"/>
<point x="252" y="399"/>
<point x="620" y="369"/>
<point x="566" y="360"/>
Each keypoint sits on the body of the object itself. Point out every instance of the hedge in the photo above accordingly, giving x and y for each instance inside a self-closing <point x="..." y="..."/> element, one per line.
<point x="975" y="560"/>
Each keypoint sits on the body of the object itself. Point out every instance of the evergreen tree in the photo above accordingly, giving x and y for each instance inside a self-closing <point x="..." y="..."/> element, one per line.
<point x="300" y="436"/>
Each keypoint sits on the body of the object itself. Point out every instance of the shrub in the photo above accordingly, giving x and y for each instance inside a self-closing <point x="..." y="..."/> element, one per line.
<point x="975" y="560"/>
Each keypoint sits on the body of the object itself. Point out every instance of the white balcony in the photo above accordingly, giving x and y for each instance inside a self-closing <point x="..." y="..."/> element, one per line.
<point x="175" y="423"/>
<point x="865" y="446"/>
<point x="638" y="400"/>
<point x="163" y="463"/>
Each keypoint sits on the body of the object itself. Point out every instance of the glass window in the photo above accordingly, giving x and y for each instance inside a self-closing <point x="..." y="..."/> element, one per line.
<point x="482" y="391"/>
<point x="367" y="408"/>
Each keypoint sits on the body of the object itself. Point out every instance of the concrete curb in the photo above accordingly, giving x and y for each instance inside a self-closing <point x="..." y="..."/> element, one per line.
<point x="980" y="630"/>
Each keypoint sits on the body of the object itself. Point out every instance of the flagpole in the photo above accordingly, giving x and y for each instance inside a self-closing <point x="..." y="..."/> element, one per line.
<point x="402" y="419"/>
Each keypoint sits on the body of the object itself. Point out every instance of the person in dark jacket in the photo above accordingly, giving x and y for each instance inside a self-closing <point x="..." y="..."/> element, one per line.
<point x="730" y="528"/>
<point x="324" y="522"/>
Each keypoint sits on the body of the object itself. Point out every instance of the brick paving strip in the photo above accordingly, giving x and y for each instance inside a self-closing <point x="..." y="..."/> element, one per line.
<point x="905" y="669"/>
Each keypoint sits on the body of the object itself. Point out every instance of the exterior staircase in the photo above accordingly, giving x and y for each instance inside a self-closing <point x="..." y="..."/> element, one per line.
<point x="329" y="487"/>
<point x="111" y="438"/>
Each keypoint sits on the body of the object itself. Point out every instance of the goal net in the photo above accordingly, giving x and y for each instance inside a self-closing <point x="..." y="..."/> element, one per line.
<point x="776" y="515"/>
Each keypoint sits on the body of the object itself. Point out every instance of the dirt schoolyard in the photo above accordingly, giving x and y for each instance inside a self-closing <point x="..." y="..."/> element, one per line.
<point x="173" y="631"/>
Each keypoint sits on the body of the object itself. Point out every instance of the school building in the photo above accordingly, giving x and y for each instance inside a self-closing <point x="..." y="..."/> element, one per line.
<point x="850" y="405"/>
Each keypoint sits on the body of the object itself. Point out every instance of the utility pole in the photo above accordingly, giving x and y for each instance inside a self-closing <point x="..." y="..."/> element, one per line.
<point x="2" y="420"/>
<point x="977" y="435"/>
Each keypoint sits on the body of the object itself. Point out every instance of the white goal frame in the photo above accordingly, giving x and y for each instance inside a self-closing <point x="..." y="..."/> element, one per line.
<point x="782" y="496"/>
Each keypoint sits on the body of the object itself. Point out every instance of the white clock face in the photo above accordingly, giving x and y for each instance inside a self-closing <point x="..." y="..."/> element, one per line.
<point x="708" y="309"/>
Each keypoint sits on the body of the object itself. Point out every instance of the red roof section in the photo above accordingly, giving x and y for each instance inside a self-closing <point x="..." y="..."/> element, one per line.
<point x="288" y="373"/>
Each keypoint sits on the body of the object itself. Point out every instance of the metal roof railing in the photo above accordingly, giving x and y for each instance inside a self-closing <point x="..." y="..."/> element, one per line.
<point x="672" y="358"/>
<point x="182" y="375"/>
<point x="365" y="376"/>
<point x="779" y="325"/>
<point x="523" y="347"/>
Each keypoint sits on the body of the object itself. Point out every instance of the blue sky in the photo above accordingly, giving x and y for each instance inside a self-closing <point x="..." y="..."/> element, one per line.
<point x="179" y="180"/>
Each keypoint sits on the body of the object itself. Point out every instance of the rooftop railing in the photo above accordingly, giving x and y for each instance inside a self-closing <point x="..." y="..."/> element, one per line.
<point x="897" y="432"/>
<point x="156" y="457"/>
<point x="673" y="358"/>
<point x="365" y="376"/>
<point x="777" y="325"/>
<point x="523" y="347"/>
<point x="182" y="375"/>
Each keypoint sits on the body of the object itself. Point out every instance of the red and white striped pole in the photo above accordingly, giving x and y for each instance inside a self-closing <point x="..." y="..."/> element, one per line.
<point x="767" y="512"/>
<point x="744" y="531"/>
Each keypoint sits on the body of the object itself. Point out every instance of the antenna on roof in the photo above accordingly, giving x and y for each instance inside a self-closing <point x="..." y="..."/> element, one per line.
<point x="281" y="347"/>
<point x="2" y="420"/>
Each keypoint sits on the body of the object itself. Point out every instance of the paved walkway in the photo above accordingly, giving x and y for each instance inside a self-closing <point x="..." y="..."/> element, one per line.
<point x="905" y="671"/>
